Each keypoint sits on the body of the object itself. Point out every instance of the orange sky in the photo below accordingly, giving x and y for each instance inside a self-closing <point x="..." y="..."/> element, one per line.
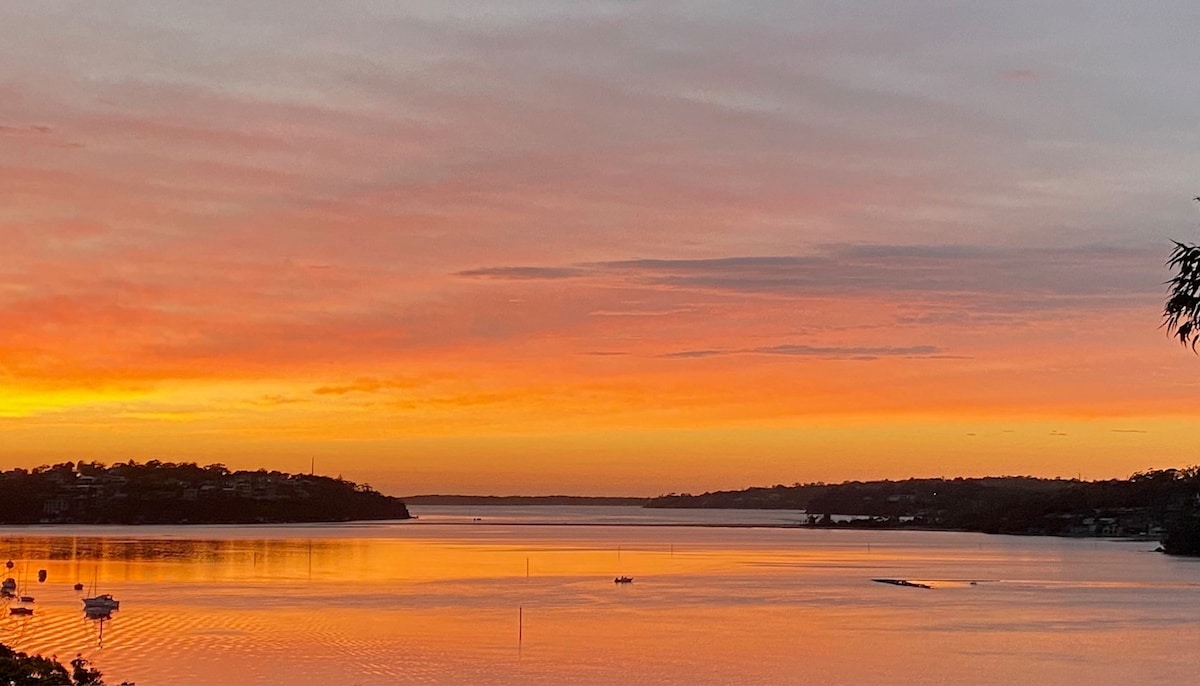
<point x="594" y="249"/>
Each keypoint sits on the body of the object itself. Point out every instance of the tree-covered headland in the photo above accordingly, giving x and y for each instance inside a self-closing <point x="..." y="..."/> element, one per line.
<point x="157" y="492"/>
<point x="1160" y="504"/>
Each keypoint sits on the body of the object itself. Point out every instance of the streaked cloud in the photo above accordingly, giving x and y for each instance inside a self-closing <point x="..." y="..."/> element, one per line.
<point x="276" y="400"/>
<point x="957" y="270"/>
<point x="30" y="130"/>
<point x="366" y="385"/>
<point x="524" y="273"/>
<point x="825" y="352"/>
<point x="1020" y="75"/>
<point x="642" y="313"/>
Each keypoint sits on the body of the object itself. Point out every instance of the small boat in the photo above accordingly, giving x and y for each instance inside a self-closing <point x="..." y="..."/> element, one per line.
<point x="41" y="575"/>
<point x="97" y="613"/>
<point x="623" y="580"/>
<point x="26" y="599"/>
<point x="78" y="587"/>
<point x="22" y="611"/>
<point x="902" y="582"/>
<point x="104" y="601"/>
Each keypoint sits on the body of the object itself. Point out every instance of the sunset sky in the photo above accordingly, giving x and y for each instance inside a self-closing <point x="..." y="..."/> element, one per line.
<point x="599" y="247"/>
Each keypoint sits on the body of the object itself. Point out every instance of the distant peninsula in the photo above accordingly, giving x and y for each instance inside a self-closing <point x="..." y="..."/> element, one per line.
<point x="157" y="492"/>
<point x="518" y="500"/>
<point x="1157" y="505"/>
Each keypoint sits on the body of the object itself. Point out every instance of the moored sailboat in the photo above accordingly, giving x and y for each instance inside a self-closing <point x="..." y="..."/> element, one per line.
<point x="101" y="603"/>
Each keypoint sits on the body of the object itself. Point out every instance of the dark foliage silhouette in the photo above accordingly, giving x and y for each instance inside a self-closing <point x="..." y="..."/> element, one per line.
<point x="23" y="669"/>
<point x="1181" y="315"/>
<point x="158" y="492"/>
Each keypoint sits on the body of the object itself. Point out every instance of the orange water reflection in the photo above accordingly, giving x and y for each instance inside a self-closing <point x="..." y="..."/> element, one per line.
<point x="441" y="605"/>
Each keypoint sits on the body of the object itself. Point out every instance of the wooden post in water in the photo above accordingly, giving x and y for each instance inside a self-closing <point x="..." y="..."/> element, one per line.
<point x="520" y="624"/>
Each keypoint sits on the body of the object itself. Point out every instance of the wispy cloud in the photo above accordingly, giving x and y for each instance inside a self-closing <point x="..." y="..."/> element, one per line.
<point x="988" y="272"/>
<point x="276" y="400"/>
<point x="1020" y="75"/>
<point x="366" y="386"/>
<point x="31" y="130"/>
<point x="524" y="273"/>
<point x="642" y="313"/>
<point x="696" y="354"/>
<point x="825" y="352"/>
<point x="857" y="352"/>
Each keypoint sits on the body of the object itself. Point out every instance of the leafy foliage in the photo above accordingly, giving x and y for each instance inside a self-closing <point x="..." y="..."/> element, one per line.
<point x="22" y="669"/>
<point x="1181" y="315"/>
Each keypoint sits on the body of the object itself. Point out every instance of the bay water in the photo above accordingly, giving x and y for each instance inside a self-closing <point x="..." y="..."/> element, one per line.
<point x="526" y="595"/>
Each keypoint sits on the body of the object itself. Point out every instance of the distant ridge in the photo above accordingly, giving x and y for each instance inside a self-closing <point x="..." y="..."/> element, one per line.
<point x="1162" y="504"/>
<point x="515" y="500"/>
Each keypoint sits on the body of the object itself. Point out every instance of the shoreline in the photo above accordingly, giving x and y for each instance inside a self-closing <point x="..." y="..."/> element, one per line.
<point x="50" y="529"/>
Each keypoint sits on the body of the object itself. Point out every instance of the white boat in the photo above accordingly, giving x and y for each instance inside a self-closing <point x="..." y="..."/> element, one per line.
<point x="102" y="602"/>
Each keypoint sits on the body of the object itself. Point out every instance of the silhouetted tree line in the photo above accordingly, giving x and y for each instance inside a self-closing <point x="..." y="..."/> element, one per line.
<point x="1157" y="502"/>
<point x="158" y="492"/>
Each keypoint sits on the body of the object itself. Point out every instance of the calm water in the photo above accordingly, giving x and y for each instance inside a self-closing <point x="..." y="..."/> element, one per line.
<point x="438" y="601"/>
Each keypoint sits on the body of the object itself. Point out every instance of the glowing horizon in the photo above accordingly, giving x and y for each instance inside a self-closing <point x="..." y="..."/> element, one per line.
<point x="596" y="249"/>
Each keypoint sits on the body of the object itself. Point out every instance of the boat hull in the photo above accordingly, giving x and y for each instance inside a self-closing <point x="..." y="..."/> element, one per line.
<point x="102" y="603"/>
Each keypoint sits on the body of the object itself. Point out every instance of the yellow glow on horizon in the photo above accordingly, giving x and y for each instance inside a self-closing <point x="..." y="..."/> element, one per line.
<point x="16" y="402"/>
<point x="547" y="420"/>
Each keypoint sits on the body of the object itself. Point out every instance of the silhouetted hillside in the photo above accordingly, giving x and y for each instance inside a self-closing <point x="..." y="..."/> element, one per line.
<point x="183" y="493"/>
<point x="1161" y="503"/>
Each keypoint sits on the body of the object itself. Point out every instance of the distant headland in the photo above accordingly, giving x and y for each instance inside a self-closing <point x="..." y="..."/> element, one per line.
<point x="157" y="492"/>
<point x="518" y="500"/>
<point x="1157" y="505"/>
